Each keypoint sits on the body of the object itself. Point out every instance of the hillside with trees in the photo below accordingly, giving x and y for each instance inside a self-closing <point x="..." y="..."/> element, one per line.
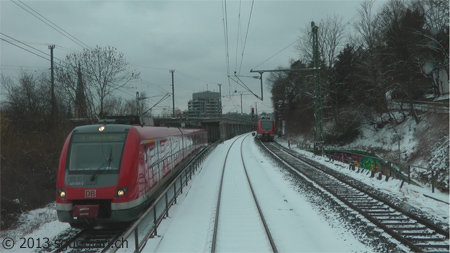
<point x="393" y="62"/>
<point x="398" y="55"/>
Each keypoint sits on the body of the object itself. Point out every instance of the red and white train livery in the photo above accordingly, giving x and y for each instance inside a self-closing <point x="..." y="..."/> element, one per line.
<point x="266" y="129"/>
<point x="108" y="173"/>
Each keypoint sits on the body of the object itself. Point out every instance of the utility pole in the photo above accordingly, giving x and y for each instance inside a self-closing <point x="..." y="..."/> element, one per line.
<point x="137" y="104"/>
<point x="173" y="94"/>
<point x="53" y="98"/>
<point x="318" y="119"/>
<point x="220" y="99"/>
<point x="241" y="103"/>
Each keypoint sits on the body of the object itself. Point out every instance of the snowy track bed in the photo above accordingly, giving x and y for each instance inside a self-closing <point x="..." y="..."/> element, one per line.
<point x="294" y="223"/>
<point x="239" y="223"/>
<point x="299" y="220"/>
<point x="417" y="234"/>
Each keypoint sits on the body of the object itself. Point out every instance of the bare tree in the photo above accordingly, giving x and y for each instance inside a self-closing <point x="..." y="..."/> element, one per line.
<point x="104" y="70"/>
<point x="27" y="99"/>
<point x="369" y="69"/>
<point x="331" y="39"/>
<point x="436" y="43"/>
<point x="107" y="71"/>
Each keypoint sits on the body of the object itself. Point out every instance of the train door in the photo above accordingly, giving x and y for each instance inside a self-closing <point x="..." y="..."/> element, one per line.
<point x="146" y="171"/>
<point x="152" y="177"/>
<point x="141" y="170"/>
<point x="163" y="156"/>
<point x="158" y="164"/>
<point x="183" y="147"/>
<point x="176" y="150"/>
<point x="170" y="153"/>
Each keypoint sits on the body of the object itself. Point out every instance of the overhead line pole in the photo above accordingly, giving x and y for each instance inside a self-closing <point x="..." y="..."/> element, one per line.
<point x="173" y="94"/>
<point x="53" y="98"/>
<point x="318" y="119"/>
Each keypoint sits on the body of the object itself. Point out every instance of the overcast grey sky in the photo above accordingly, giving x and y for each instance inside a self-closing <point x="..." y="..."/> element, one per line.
<point x="157" y="36"/>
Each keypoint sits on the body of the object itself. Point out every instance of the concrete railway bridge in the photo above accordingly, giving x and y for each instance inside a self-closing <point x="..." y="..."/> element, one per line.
<point x="219" y="128"/>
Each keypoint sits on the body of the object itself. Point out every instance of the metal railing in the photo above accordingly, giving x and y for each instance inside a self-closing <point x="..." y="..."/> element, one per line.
<point x="147" y="226"/>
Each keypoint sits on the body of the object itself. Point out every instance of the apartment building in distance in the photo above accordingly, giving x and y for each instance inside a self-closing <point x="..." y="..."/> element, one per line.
<point x="204" y="104"/>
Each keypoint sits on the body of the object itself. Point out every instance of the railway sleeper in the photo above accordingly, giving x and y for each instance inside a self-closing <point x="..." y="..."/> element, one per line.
<point x="426" y="239"/>
<point x="365" y="203"/>
<point x="438" y="246"/>
<point x="405" y="233"/>
<point x="408" y="228"/>
<point x="399" y="223"/>
<point x="354" y="196"/>
<point x="387" y="215"/>
<point x="385" y="211"/>
<point x="392" y="219"/>
<point x="362" y="205"/>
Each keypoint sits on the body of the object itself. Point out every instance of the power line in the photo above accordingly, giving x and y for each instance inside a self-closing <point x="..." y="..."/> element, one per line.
<point x="225" y="28"/>
<point x="24" y="44"/>
<point x="74" y="38"/>
<point x="290" y="44"/>
<point x="51" y="24"/>
<point x="358" y="13"/>
<point x="24" y="49"/>
<point x="238" y="34"/>
<point x="246" y="35"/>
<point x="40" y="51"/>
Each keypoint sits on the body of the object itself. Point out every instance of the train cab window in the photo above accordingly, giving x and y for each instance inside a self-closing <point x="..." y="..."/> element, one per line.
<point x="266" y="125"/>
<point x="93" y="152"/>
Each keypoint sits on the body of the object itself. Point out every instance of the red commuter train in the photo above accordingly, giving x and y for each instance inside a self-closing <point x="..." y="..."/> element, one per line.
<point x="108" y="173"/>
<point x="266" y="129"/>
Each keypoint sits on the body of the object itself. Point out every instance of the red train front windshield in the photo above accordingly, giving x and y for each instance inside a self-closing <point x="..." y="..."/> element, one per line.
<point x="90" y="153"/>
<point x="266" y="125"/>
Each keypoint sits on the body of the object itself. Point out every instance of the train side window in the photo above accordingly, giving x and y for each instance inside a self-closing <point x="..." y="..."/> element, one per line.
<point x="152" y="157"/>
<point x="145" y="153"/>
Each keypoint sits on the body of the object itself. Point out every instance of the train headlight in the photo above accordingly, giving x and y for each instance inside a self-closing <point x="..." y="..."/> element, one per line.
<point x="62" y="194"/>
<point x="121" y="191"/>
<point x="101" y="128"/>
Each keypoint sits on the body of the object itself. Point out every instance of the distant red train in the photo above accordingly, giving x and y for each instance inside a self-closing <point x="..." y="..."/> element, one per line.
<point x="108" y="173"/>
<point x="266" y="129"/>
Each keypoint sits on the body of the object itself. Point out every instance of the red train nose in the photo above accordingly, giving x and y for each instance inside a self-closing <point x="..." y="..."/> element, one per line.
<point x="85" y="211"/>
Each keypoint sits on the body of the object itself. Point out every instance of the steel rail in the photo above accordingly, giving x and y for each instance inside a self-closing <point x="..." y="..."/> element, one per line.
<point x="348" y="195"/>
<point x="216" y="221"/>
<point x="263" y="220"/>
<point x="266" y="227"/>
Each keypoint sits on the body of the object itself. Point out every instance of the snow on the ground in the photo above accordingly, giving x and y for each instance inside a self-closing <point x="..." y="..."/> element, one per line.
<point x="35" y="231"/>
<point x="296" y="225"/>
<point x="410" y="194"/>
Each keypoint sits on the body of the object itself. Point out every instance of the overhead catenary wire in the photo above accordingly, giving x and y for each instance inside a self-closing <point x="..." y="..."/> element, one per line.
<point x="40" y="51"/>
<point x="246" y="35"/>
<point x="238" y="36"/>
<point x="284" y="48"/>
<point x="290" y="44"/>
<point x="25" y="49"/>
<point x="50" y="23"/>
<point x="225" y="30"/>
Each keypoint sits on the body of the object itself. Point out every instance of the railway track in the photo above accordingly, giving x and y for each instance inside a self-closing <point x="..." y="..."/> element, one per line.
<point x="413" y="232"/>
<point x="237" y="189"/>
<point x="126" y="237"/>
<point x="92" y="240"/>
